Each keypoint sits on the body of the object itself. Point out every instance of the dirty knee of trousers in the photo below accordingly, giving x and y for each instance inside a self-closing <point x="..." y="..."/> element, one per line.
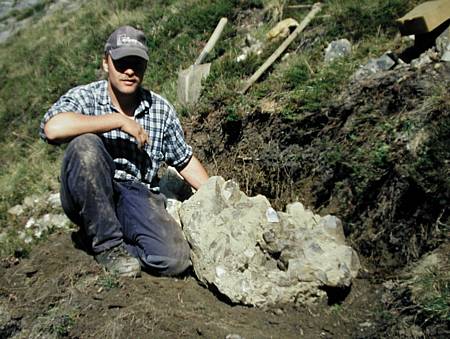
<point x="178" y="259"/>
<point x="166" y="265"/>
<point x="175" y="266"/>
<point x="89" y="151"/>
<point x="179" y="265"/>
<point x="87" y="192"/>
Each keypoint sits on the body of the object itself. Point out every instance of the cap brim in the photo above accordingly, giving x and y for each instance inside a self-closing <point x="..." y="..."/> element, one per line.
<point x="123" y="52"/>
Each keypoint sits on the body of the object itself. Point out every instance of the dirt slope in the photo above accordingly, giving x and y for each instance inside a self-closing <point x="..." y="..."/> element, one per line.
<point x="377" y="157"/>
<point x="61" y="292"/>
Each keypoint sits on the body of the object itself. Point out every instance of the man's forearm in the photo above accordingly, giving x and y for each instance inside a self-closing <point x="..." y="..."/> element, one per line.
<point x="194" y="173"/>
<point x="67" y="125"/>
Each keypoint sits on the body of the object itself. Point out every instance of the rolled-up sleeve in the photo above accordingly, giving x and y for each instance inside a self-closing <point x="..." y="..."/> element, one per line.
<point x="176" y="151"/>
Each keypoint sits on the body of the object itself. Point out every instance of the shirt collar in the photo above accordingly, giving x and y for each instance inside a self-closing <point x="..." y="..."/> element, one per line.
<point x="145" y="103"/>
<point x="145" y="98"/>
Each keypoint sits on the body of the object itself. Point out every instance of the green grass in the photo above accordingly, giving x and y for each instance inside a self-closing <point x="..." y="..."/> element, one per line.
<point x="12" y="245"/>
<point x="109" y="281"/>
<point x="431" y="292"/>
<point x="316" y="90"/>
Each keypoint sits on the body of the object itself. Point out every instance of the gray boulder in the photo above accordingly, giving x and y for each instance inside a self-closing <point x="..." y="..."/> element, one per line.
<point x="256" y="256"/>
<point x="337" y="49"/>
<point x="383" y="63"/>
<point x="443" y="45"/>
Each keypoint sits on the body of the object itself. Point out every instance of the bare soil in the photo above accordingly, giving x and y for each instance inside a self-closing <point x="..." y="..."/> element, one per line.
<point x="59" y="291"/>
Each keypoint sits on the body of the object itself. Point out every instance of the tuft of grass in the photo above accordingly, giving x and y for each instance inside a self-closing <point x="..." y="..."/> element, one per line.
<point x="431" y="292"/>
<point x="311" y="92"/>
<point x="109" y="281"/>
<point x="336" y="309"/>
<point x="62" y="325"/>
<point x="296" y="75"/>
<point x="55" y="322"/>
<point x="13" y="246"/>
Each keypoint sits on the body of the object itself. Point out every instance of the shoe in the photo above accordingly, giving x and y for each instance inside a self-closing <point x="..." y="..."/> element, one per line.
<point x="117" y="260"/>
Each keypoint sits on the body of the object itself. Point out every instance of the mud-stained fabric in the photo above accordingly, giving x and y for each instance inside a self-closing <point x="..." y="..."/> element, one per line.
<point x="150" y="232"/>
<point x="111" y="211"/>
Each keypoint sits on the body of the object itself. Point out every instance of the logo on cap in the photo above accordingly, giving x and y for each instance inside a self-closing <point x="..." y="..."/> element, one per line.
<point x="126" y="41"/>
<point x="123" y="39"/>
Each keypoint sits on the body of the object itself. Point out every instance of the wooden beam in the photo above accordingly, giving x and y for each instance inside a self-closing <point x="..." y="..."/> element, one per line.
<point x="315" y="9"/>
<point x="425" y="17"/>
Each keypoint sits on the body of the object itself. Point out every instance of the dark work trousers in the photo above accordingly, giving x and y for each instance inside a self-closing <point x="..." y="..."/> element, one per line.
<point x="110" y="212"/>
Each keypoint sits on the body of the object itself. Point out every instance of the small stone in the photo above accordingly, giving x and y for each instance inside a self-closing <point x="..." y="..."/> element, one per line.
<point x="278" y="311"/>
<point x="49" y="221"/>
<point x="54" y="200"/>
<point x="443" y="45"/>
<point x="233" y="336"/>
<point x="337" y="49"/>
<point x="31" y="201"/>
<point x="16" y="210"/>
<point x="389" y="284"/>
<point x="366" y="324"/>
<point x="30" y="223"/>
<point x="384" y="63"/>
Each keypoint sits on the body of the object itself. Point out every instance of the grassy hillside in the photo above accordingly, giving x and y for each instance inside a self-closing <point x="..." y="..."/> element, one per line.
<point x="61" y="51"/>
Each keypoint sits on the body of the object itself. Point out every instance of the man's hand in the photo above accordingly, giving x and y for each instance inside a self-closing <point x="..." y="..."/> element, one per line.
<point x="134" y="129"/>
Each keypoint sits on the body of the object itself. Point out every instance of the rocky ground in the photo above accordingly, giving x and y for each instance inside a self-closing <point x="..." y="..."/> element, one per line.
<point x="15" y="15"/>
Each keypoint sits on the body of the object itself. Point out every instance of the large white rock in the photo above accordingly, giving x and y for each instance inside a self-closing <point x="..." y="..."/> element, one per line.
<point x="256" y="256"/>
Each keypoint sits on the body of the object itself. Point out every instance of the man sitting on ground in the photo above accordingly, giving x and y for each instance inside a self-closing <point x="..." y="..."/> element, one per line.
<point x="119" y="136"/>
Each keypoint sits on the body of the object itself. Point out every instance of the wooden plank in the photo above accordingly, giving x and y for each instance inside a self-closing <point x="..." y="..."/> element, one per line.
<point x="425" y="17"/>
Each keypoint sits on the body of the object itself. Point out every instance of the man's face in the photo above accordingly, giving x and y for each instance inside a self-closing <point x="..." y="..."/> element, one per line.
<point x="126" y="74"/>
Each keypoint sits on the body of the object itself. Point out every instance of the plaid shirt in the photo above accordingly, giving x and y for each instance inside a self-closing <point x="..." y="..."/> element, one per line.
<point x="154" y="113"/>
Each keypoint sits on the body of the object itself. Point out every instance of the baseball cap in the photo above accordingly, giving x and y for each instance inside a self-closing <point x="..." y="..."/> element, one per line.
<point x="126" y="41"/>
